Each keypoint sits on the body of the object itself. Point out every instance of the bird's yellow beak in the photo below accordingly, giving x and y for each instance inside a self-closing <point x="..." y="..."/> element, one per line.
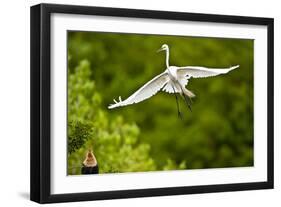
<point x="161" y="49"/>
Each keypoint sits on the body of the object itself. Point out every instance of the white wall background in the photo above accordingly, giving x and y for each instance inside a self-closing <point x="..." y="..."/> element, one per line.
<point x="14" y="102"/>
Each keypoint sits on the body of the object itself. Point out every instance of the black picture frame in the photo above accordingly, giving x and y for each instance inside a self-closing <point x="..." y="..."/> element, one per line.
<point x="41" y="97"/>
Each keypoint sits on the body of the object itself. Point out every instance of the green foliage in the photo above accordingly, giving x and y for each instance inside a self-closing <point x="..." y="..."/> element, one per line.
<point x="149" y="135"/>
<point x="78" y="134"/>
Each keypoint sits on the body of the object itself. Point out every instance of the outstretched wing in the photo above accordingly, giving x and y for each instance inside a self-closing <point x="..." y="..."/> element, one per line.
<point x="202" y="72"/>
<point x="145" y="92"/>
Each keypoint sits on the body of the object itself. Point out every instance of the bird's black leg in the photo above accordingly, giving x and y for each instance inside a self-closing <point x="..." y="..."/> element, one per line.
<point x="187" y="99"/>
<point x="178" y="106"/>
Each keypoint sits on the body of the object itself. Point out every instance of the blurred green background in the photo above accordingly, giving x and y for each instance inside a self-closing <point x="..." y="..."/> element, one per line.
<point x="149" y="135"/>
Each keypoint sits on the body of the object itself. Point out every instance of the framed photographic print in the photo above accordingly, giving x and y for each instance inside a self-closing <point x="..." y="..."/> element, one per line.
<point x="132" y="103"/>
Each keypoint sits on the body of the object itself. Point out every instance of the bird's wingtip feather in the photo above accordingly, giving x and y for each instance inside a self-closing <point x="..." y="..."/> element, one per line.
<point x="116" y="103"/>
<point x="111" y="106"/>
<point x="234" y="67"/>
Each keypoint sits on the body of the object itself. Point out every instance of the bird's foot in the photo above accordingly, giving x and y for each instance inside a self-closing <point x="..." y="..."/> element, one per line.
<point x="189" y="106"/>
<point x="180" y="115"/>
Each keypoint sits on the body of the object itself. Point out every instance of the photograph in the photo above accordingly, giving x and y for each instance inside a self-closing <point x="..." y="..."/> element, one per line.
<point x="129" y="103"/>
<point x="154" y="102"/>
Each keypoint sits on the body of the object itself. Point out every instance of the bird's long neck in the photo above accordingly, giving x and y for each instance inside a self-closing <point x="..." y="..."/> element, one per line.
<point x="167" y="58"/>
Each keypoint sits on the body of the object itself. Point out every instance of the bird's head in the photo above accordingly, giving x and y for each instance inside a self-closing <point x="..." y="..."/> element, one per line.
<point x="163" y="47"/>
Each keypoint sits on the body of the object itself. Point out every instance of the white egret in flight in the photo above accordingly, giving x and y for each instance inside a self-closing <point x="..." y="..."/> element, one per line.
<point x="173" y="80"/>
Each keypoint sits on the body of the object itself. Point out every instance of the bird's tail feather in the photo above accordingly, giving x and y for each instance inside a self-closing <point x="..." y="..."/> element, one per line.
<point x="188" y="92"/>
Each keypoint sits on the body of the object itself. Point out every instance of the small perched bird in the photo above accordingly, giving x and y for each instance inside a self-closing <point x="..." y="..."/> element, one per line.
<point x="90" y="160"/>
<point x="90" y="164"/>
<point x="173" y="80"/>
